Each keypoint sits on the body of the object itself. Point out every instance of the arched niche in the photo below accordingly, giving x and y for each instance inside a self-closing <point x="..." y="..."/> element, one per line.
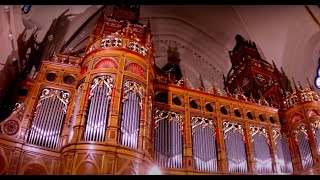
<point x="296" y="117"/>
<point x="313" y="112"/>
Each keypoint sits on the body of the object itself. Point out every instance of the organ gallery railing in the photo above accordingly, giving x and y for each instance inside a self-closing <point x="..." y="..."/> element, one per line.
<point x="133" y="93"/>
<point x="204" y="144"/>
<point x="262" y="156"/>
<point x="283" y="152"/>
<point x="301" y="137"/>
<point x="168" y="139"/>
<point x="235" y="147"/>
<point x="100" y="96"/>
<point x="49" y="116"/>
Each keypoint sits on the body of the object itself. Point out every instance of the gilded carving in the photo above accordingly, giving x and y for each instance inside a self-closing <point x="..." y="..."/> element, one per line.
<point x="100" y="81"/>
<point x="135" y="88"/>
<point x="55" y="94"/>
<point x="201" y="121"/>
<point x="235" y="127"/>
<point x="259" y="131"/>
<point x="301" y="129"/>
<point x="168" y="115"/>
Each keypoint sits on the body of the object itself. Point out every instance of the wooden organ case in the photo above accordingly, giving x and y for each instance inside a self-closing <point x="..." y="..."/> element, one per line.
<point x="108" y="112"/>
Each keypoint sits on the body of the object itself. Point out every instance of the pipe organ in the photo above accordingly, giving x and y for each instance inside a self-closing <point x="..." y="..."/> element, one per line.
<point x="316" y="132"/>
<point x="235" y="147"/>
<point x="75" y="110"/>
<point x="304" y="147"/>
<point x="283" y="152"/>
<point x="131" y="109"/>
<point x="168" y="139"/>
<point x="113" y="111"/>
<point x="99" y="100"/>
<point x="204" y="144"/>
<point x="262" y="156"/>
<point x="49" y="116"/>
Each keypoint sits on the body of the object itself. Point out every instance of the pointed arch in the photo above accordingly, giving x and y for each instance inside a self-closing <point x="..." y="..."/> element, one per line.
<point x="296" y="117"/>
<point x="313" y="112"/>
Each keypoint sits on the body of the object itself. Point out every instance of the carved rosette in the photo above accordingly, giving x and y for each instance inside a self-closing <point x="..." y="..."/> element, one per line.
<point x="101" y="81"/>
<point x="201" y="121"/>
<point x="170" y="116"/>
<point x="135" y="88"/>
<point x="227" y="126"/>
<point x="259" y="131"/>
<point x="301" y="129"/>
<point x="10" y="127"/>
<point x="54" y="94"/>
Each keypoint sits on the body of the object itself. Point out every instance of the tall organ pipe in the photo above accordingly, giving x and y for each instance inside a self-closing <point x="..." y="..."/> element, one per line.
<point x="262" y="154"/>
<point x="168" y="138"/>
<point x="283" y="155"/>
<point x="131" y="109"/>
<point x="98" y="108"/>
<point x="305" y="151"/>
<point x="204" y="144"/>
<point x="75" y="111"/>
<point x="49" y="117"/>
<point x="235" y="147"/>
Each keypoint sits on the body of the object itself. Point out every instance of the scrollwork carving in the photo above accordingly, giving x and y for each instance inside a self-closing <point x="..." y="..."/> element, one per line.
<point x="227" y="126"/>
<point x="260" y="131"/>
<point x="276" y="133"/>
<point x="135" y="88"/>
<point x="201" y="121"/>
<point x="168" y="115"/>
<point x="301" y="129"/>
<point x="100" y="81"/>
<point x="54" y="94"/>
<point x="315" y="125"/>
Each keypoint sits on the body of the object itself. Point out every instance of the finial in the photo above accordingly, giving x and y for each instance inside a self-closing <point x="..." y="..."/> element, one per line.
<point x="300" y="86"/>
<point x="294" y="83"/>
<point x="311" y="86"/>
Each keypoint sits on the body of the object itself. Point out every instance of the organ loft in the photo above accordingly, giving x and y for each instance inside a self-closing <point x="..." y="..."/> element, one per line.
<point x="113" y="111"/>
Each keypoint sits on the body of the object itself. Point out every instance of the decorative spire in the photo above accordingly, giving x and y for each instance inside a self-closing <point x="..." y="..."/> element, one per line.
<point x="311" y="86"/>
<point x="300" y="86"/>
<point x="294" y="83"/>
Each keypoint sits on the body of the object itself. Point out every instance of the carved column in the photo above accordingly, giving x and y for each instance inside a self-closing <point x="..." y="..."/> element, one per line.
<point x="249" y="150"/>
<point x="273" y="150"/>
<point x="221" y="148"/>
<point x="113" y="128"/>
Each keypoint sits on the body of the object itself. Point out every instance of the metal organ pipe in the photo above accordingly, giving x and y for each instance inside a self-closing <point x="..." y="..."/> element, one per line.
<point x="235" y="147"/>
<point x="98" y="108"/>
<point x="131" y="109"/>
<point x="75" y="111"/>
<point x="130" y="120"/>
<point x="283" y="154"/>
<point x="305" y="151"/>
<point x="262" y="154"/>
<point x="287" y="156"/>
<point x="204" y="144"/>
<point x="49" y="116"/>
<point x="168" y="138"/>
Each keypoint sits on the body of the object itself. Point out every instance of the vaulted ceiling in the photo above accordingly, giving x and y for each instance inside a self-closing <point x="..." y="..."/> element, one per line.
<point x="288" y="34"/>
